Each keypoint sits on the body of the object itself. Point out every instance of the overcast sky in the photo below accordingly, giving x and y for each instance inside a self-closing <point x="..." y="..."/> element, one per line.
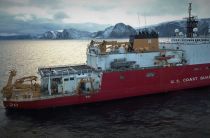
<point x="100" y="11"/>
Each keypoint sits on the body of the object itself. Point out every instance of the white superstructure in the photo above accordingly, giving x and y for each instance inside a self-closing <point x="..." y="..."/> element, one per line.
<point x="135" y="59"/>
<point x="196" y="49"/>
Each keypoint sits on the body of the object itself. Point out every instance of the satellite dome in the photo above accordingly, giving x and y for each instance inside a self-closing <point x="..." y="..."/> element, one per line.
<point x="181" y="34"/>
<point x="195" y="29"/>
<point x="176" y="30"/>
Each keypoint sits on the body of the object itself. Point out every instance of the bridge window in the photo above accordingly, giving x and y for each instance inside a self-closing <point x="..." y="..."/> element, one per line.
<point x="71" y="78"/>
<point x="66" y="79"/>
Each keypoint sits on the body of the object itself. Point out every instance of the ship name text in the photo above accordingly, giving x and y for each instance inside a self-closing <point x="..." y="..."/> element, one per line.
<point x="191" y="79"/>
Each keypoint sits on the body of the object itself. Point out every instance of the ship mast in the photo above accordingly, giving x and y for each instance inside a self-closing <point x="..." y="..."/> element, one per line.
<point x="190" y="9"/>
<point x="191" y="22"/>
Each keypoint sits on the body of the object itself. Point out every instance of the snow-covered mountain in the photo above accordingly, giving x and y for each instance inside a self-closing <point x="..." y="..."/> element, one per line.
<point x="75" y="34"/>
<point x="120" y="30"/>
<point x="166" y="29"/>
<point x="66" y="34"/>
<point x="51" y="34"/>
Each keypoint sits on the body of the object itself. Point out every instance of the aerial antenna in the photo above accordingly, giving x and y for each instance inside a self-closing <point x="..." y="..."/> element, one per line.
<point x="190" y="9"/>
<point x="145" y="21"/>
<point x="191" y="22"/>
<point x="139" y="22"/>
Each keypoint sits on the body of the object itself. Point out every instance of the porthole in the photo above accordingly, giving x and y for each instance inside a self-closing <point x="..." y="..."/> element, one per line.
<point x="150" y="74"/>
<point x="196" y="68"/>
<point x="122" y="77"/>
<point x="208" y="68"/>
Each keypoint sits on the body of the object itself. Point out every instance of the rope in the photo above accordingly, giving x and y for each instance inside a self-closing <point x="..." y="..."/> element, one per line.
<point x="1" y="99"/>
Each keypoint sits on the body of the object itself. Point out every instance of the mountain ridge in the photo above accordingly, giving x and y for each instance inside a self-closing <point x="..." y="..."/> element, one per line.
<point x="119" y="30"/>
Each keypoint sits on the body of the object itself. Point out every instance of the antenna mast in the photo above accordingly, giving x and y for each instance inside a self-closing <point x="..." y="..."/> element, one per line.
<point x="145" y="21"/>
<point x="191" y="22"/>
<point x="139" y="22"/>
<point x="190" y="9"/>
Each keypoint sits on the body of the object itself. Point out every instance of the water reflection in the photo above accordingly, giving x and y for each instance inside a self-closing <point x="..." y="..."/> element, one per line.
<point x="179" y="114"/>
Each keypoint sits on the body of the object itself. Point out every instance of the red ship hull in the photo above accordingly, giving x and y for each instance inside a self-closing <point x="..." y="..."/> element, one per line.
<point x="123" y="84"/>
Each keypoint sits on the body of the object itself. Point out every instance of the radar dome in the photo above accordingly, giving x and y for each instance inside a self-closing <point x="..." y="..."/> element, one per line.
<point x="181" y="34"/>
<point x="176" y="30"/>
<point x="195" y="29"/>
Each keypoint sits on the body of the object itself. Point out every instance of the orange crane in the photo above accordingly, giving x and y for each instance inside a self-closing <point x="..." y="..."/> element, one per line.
<point x="7" y="90"/>
<point x="21" y="85"/>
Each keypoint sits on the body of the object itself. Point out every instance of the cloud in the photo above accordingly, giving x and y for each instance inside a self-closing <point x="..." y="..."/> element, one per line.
<point x="24" y="17"/>
<point x="15" y="13"/>
<point x="144" y="7"/>
<point x="60" y="16"/>
<point x="101" y="6"/>
<point x="47" y="4"/>
<point x="158" y="7"/>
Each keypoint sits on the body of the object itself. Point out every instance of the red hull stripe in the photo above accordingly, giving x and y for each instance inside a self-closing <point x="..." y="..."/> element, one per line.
<point x="117" y="85"/>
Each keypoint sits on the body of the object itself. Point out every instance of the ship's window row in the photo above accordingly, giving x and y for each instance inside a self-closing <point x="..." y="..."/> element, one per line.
<point x="191" y="40"/>
<point x="66" y="79"/>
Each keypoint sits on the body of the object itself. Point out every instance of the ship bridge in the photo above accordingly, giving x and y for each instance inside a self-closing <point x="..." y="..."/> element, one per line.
<point x="142" y="51"/>
<point x="195" y="46"/>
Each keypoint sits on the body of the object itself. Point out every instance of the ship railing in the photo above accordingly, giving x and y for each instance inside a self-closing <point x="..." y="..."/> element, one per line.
<point x="131" y="69"/>
<point x="65" y="72"/>
<point x="45" y="96"/>
<point x="143" y="68"/>
<point x="59" y="66"/>
<point x="184" y="40"/>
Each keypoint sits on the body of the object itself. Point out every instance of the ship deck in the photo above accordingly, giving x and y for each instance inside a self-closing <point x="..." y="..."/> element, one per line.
<point x="65" y="70"/>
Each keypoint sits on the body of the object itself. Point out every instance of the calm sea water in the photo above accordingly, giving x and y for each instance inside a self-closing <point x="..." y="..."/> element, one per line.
<point x="183" y="114"/>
